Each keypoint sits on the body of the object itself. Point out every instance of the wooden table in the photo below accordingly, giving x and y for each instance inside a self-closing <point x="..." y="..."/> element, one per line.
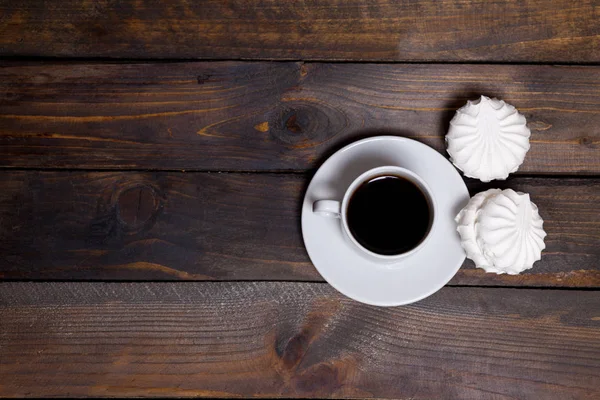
<point x="151" y="186"/>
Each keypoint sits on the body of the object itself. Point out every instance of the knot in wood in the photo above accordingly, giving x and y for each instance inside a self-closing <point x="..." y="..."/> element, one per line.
<point x="302" y="123"/>
<point x="292" y="124"/>
<point x="136" y="206"/>
<point x="587" y="142"/>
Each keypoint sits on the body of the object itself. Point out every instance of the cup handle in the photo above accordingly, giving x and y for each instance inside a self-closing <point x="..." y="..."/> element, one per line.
<point x="327" y="208"/>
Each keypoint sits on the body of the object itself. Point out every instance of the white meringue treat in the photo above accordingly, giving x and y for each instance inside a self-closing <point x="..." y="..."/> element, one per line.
<point x="488" y="139"/>
<point x="501" y="231"/>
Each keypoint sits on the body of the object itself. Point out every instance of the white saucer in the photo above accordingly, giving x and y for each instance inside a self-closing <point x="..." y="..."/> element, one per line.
<point x="344" y="267"/>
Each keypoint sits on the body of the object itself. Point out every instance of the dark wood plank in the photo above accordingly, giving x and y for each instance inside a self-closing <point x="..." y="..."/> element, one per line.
<point x="197" y="226"/>
<point x="276" y="116"/>
<point x="79" y="225"/>
<point x="393" y="30"/>
<point x="295" y="340"/>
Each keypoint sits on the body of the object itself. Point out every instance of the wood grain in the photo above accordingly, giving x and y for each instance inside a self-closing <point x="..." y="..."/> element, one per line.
<point x="391" y="30"/>
<point x="231" y="226"/>
<point x="295" y="340"/>
<point x="276" y="116"/>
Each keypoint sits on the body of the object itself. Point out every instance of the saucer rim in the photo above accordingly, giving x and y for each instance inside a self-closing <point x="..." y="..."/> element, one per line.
<point x="355" y="296"/>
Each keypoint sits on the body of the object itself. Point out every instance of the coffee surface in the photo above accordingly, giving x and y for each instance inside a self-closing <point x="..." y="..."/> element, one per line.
<point x="389" y="215"/>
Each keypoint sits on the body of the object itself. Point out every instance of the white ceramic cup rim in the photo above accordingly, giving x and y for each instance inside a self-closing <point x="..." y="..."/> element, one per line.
<point x="366" y="176"/>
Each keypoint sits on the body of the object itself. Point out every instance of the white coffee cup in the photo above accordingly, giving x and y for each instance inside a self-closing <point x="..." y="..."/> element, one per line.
<point x="337" y="209"/>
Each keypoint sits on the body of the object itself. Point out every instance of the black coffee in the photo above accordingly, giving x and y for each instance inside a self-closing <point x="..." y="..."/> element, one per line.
<point x="389" y="215"/>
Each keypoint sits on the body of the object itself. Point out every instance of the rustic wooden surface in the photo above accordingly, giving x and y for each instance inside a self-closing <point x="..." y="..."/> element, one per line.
<point x="276" y="116"/>
<point x="295" y="340"/>
<point x="204" y="226"/>
<point x="122" y="159"/>
<point x="392" y="30"/>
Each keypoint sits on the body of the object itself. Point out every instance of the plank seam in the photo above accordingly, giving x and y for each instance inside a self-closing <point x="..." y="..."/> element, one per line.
<point x="151" y="60"/>
<point x="249" y="281"/>
<point x="304" y="173"/>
